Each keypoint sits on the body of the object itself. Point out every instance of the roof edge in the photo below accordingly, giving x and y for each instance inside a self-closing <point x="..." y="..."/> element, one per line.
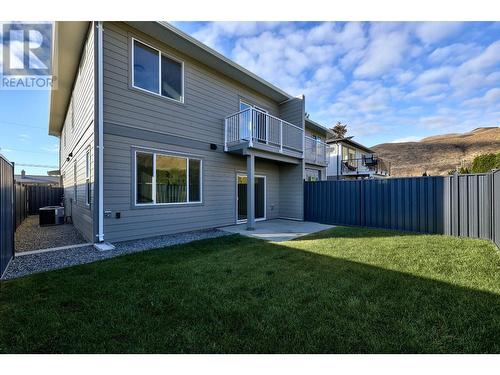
<point x="67" y="44"/>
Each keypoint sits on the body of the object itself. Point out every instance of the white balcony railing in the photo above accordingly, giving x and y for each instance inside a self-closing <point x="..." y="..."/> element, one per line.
<point x="316" y="151"/>
<point x="257" y="127"/>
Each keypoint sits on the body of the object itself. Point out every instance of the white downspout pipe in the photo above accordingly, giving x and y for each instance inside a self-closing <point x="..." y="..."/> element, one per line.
<point x="100" y="126"/>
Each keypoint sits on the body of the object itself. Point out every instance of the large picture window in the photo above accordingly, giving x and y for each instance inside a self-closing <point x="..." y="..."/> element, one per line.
<point x="167" y="179"/>
<point x="157" y="73"/>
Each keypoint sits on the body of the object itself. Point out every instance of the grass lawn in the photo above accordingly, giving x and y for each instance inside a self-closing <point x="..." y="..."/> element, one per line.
<point x="346" y="290"/>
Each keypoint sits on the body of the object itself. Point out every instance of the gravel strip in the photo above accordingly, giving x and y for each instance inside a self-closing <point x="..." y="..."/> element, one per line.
<point x="33" y="263"/>
<point x="30" y="236"/>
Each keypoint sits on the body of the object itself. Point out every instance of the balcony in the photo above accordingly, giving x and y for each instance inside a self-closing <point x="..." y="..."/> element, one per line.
<point x="368" y="166"/>
<point x="316" y="151"/>
<point x="254" y="128"/>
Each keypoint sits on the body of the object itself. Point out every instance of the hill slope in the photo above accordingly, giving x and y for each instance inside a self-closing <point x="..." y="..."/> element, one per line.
<point x="438" y="154"/>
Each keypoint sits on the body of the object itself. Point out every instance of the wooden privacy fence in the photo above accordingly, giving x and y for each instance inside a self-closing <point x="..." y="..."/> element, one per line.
<point x="41" y="196"/>
<point x="459" y="205"/>
<point x="7" y="223"/>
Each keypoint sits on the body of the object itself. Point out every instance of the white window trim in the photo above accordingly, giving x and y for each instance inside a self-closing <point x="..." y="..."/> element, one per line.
<point x="75" y="181"/>
<point x="153" y="189"/>
<point x="160" y="54"/>
<point x="87" y="177"/>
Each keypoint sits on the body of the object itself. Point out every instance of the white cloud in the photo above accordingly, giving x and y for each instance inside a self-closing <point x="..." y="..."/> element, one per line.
<point x="410" y="138"/>
<point x="385" y="52"/>
<point x="213" y="32"/>
<point x="454" y="53"/>
<point x="434" y="75"/>
<point x="491" y="97"/>
<point x="432" y="32"/>
<point x="477" y="72"/>
<point x="488" y="58"/>
<point x="405" y="77"/>
<point x="383" y="79"/>
<point x="428" y="90"/>
<point x="52" y="148"/>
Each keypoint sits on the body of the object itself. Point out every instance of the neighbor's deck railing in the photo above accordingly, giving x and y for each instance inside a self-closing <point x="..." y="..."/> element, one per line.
<point x="255" y="126"/>
<point x="366" y="165"/>
<point x="316" y="151"/>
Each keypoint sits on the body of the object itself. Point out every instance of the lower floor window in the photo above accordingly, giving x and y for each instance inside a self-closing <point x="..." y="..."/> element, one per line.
<point x="312" y="175"/>
<point x="164" y="179"/>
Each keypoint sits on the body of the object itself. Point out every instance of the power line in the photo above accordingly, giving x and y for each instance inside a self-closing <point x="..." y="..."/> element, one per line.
<point x="35" y="165"/>
<point x="23" y="125"/>
<point x="28" y="151"/>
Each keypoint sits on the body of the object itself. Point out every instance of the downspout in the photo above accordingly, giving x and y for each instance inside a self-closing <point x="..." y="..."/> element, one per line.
<point x="100" y="133"/>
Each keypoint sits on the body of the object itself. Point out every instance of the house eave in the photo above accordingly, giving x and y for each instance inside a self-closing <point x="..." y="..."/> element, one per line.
<point x="350" y="142"/>
<point x="170" y="35"/>
<point x="68" y="42"/>
<point x="317" y="127"/>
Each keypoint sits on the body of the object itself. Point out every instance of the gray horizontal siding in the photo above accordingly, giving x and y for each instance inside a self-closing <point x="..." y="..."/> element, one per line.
<point x="208" y="98"/>
<point x="219" y="190"/>
<point x="136" y="119"/>
<point x="80" y="137"/>
<point x="293" y="111"/>
<point x="291" y="177"/>
<point x="291" y="194"/>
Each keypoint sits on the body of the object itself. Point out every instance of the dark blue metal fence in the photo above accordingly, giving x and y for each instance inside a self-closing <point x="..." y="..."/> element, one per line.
<point x="460" y="205"/>
<point x="41" y="196"/>
<point x="21" y="203"/>
<point x="7" y="220"/>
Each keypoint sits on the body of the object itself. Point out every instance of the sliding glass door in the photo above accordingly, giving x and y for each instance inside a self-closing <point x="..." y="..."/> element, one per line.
<point x="241" y="197"/>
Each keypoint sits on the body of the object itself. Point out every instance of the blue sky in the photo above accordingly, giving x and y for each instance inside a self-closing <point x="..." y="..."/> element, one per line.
<point x="387" y="81"/>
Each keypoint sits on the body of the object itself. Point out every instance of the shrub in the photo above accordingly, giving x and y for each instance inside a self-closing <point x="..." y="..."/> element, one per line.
<point x="485" y="163"/>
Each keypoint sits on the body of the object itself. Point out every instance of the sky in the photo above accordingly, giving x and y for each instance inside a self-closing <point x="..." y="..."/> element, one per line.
<point x="387" y="81"/>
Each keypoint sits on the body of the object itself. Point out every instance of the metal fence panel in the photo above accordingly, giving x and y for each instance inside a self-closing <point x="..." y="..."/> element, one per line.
<point x="495" y="199"/>
<point x="21" y="203"/>
<point x="41" y="196"/>
<point x="459" y="205"/>
<point x="6" y="213"/>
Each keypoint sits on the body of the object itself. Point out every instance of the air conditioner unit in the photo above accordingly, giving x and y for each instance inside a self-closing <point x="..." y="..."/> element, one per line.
<point x="51" y="215"/>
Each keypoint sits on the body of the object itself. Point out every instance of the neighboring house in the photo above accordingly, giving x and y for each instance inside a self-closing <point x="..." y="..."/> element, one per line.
<point x="316" y="151"/>
<point x="352" y="160"/>
<point x="159" y="134"/>
<point x="36" y="180"/>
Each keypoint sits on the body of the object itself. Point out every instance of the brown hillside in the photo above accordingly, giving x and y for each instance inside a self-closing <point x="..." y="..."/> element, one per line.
<point x="439" y="154"/>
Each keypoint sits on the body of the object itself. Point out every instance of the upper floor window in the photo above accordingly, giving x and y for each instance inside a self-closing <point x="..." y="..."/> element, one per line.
<point x="156" y="72"/>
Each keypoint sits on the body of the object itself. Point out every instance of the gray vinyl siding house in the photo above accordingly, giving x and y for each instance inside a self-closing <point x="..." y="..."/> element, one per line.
<point x="77" y="138"/>
<point x="316" y="151"/>
<point x="100" y="114"/>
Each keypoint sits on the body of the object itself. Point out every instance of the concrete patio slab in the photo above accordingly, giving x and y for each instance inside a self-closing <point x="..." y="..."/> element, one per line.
<point x="277" y="230"/>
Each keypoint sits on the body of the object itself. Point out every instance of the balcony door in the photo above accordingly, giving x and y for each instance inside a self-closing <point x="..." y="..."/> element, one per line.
<point x="258" y="119"/>
<point x="241" y="197"/>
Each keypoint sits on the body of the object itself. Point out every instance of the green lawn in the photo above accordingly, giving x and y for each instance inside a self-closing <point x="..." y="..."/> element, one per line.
<point x="346" y="290"/>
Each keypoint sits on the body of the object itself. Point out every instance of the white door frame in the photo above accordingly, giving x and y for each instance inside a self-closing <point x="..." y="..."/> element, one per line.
<point x="243" y="174"/>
